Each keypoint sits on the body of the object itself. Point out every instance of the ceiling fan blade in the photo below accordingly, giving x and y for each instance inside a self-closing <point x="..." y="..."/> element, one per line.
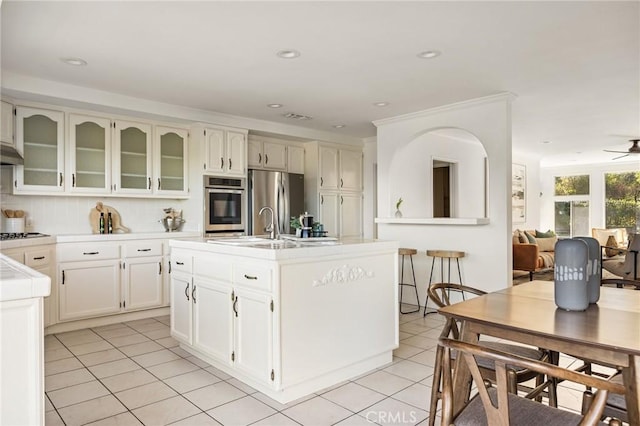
<point x="617" y="152"/>
<point x="619" y="156"/>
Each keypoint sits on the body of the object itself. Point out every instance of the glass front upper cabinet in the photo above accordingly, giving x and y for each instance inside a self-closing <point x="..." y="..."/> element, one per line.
<point x="170" y="152"/>
<point x="40" y="140"/>
<point x="90" y="154"/>
<point x="132" y="158"/>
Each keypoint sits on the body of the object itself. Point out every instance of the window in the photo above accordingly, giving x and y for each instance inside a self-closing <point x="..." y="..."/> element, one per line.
<point x="571" y="205"/>
<point x="622" y="200"/>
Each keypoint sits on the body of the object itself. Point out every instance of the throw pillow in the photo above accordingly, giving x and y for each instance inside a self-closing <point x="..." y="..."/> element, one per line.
<point x="611" y="242"/>
<point x="548" y="234"/>
<point x="530" y="238"/>
<point x="546" y="244"/>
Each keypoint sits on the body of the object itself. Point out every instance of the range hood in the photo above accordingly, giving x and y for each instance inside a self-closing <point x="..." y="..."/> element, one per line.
<point x="9" y="155"/>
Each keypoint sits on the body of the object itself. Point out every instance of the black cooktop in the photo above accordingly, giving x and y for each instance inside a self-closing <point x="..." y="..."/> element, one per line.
<point x="20" y="235"/>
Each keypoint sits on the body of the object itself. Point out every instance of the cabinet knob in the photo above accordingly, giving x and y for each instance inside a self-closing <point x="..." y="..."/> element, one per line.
<point x="38" y="258"/>
<point x="259" y="158"/>
<point x="60" y="179"/>
<point x="230" y="163"/>
<point x="266" y="159"/>
<point x="158" y="183"/>
<point x="73" y="180"/>
<point x="321" y="181"/>
<point x="221" y="163"/>
<point x="149" y="178"/>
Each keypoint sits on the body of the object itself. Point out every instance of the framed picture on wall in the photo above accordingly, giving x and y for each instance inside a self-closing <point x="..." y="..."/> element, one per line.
<point x="518" y="193"/>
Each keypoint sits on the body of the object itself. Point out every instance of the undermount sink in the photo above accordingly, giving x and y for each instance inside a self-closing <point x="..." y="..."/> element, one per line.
<point x="246" y="241"/>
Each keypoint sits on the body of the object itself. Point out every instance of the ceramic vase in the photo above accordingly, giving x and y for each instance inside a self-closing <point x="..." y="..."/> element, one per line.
<point x="398" y="213"/>
<point x="570" y="275"/>
<point x="594" y="271"/>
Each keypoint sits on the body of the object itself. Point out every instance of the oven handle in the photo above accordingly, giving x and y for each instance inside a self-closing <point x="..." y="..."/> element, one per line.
<point x="225" y="191"/>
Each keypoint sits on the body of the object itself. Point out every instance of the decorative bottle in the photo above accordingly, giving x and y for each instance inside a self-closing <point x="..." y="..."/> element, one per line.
<point x="109" y="223"/>
<point x="101" y="223"/>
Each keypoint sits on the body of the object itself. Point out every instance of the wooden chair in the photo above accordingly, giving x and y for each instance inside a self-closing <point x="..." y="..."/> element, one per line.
<point x="498" y="407"/>
<point x="615" y="407"/>
<point x="627" y="268"/>
<point x="440" y="294"/>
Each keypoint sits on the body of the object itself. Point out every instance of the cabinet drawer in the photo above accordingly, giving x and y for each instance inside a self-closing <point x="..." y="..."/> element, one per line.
<point x="219" y="269"/>
<point x="181" y="263"/>
<point x="81" y="252"/>
<point x="37" y="258"/>
<point x="142" y="249"/>
<point x="252" y="276"/>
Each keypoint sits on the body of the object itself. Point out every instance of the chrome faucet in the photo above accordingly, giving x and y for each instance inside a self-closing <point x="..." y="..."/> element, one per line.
<point x="272" y="229"/>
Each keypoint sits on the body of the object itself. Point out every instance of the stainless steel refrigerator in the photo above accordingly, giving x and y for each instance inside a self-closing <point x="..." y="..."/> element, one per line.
<point x="283" y="192"/>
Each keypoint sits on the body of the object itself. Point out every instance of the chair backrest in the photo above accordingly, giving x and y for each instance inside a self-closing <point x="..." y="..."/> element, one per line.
<point x="440" y="293"/>
<point x="498" y="414"/>
<point x="633" y="254"/>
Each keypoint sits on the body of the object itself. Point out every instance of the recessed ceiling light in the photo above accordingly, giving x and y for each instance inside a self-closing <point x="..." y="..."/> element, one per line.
<point x="275" y="105"/>
<point x="545" y="142"/>
<point x="429" y="54"/>
<point x="288" y="54"/>
<point x="76" y="62"/>
<point x="339" y="126"/>
<point x="381" y="104"/>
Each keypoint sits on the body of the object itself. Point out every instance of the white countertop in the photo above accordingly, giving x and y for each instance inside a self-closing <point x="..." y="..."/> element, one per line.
<point x="21" y="282"/>
<point x="126" y="237"/>
<point x="80" y="238"/>
<point x="290" y="249"/>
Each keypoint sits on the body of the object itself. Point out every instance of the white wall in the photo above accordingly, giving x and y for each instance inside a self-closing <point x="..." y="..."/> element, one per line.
<point x="532" y="192"/>
<point x="487" y="264"/>
<point x="596" y="180"/>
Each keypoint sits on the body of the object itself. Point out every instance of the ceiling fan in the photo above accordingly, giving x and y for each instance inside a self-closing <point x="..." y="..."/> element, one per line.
<point x="633" y="149"/>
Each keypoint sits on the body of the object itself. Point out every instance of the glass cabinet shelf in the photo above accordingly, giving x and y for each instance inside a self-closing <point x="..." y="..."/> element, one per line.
<point x="79" y="148"/>
<point x="40" y="145"/>
<point x="134" y="154"/>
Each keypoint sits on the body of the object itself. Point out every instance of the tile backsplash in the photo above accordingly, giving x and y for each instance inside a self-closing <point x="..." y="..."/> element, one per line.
<point x="62" y="215"/>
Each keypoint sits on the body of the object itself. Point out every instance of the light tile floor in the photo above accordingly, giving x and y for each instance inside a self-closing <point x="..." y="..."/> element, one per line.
<point x="134" y="373"/>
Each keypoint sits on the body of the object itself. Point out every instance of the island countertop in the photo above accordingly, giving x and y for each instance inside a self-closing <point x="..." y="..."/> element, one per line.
<point x="288" y="249"/>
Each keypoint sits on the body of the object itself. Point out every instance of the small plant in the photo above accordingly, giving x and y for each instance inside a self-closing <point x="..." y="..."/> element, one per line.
<point x="295" y="223"/>
<point x="399" y="203"/>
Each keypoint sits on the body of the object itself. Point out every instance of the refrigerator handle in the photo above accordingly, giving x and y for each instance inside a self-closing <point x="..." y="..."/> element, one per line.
<point x="283" y="204"/>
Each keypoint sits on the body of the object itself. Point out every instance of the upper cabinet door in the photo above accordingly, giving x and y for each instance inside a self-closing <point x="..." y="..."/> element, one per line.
<point x="132" y="158"/>
<point x="171" y="161"/>
<point x="275" y="156"/>
<point x="350" y="170"/>
<point x="236" y="153"/>
<point x="89" y="154"/>
<point x="328" y="168"/>
<point x="40" y="140"/>
<point x="6" y="124"/>
<point x="214" y="151"/>
<point x="254" y="155"/>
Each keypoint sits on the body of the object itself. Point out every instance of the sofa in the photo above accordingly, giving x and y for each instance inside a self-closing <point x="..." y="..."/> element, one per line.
<point x="533" y="250"/>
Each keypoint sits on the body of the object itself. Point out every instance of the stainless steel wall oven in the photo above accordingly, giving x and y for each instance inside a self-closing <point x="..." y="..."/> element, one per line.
<point x="225" y="205"/>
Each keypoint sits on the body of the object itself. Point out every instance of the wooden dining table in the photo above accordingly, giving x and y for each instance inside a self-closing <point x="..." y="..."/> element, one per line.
<point x="607" y="332"/>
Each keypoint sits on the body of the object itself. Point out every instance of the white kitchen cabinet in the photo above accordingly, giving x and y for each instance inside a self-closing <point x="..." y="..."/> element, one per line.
<point x="171" y="167"/>
<point x="212" y="304"/>
<point x="295" y="159"/>
<point x="132" y="162"/>
<point x="40" y="140"/>
<point x="267" y="155"/>
<point x="142" y="284"/>
<point x="231" y="313"/>
<point x="89" y="154"/>
<point x="329" y="212"/>
<point x="225" y="151"/>
<point x="89" y="289"/>
<point x="328" y="168"/>
<point x="253" y="327"/>
<point x="350" y="214"/>
<point x="42" y="259"/>
<point x="350" y="170"/>
<point x="6" y="124"/>
<point x="181" y="308"/>
<point x="333" y="188"/>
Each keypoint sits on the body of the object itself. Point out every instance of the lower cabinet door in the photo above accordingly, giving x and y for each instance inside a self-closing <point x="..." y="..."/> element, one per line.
<point x="89" y="289"/>
<point x="213" y="319"/>
<point x="253" y="334"/>
<point x="181" y="307"/>
<point x="142" y="282"/>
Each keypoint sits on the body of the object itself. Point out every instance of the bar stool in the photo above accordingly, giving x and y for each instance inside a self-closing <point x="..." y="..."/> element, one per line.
<point x="408" y="252"/>
<point x="442" y="255"/>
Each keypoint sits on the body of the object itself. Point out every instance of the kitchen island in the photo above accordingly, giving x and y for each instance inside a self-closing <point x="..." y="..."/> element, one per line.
<point x="288" y="318"/>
